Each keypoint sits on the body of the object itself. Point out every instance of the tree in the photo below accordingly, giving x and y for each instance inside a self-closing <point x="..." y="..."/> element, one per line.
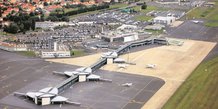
<point x="33" y="25"/>
<point x="12" y="28"/>
<point x="22" y="28"/>
<point x="144" y="6"/>
<point x="1" y="11"/>
<point x="45" y="3"/>
<point x="32" y="14"/>
<point x="65" y="18"/>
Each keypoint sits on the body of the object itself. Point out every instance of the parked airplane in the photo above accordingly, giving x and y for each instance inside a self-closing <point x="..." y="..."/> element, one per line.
<point x="127" y="84"/>
<point x="46" y="96"/>
<point x="197" y="21"/>
<point x="86" y="71"/>
<point x="82" y="70"/>
<point x="151" y="66"/>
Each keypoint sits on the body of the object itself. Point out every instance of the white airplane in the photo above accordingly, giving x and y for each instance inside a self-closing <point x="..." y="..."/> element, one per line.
<point x="46" y="96"/>
<point x="127" y="84"/>
<point x="197" y="21"/>
<point x="122" y="66"/>
<point x="151" y="66"/>
<point x="82" y="70"/>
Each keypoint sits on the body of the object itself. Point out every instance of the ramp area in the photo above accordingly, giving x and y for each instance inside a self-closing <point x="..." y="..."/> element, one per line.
<point x="21" y="74"/>
<point x="173" y="64"/>
<point x="93" y="95"/>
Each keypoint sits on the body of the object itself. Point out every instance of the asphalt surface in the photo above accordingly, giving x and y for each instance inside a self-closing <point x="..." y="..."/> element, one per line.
<point x="190" y="30"/>
<point x="23" y="74"/>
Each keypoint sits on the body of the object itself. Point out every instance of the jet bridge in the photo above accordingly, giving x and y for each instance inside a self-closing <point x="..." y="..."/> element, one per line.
<point x="98" y="64"/>
<point x="67" y="83"/>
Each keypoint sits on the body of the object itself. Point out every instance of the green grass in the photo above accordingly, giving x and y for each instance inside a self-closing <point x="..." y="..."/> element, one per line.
<point x="207" y="13"/>
<point x="212" y="17"/>
<point x="27" y="53"/>
<point x="145" y="11"/>
<point x="77" y="52"/>
<point x="143" y="17"/>
<point x="5" y="33"/>
<point x="118" y="5"/>
<point x="155" y="32"/>
<point x="199" y="12"/>
<point x="199" y="91"/>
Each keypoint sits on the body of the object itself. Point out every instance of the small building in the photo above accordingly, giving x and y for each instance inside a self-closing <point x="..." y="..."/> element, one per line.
<point x="13" y="47"/>
<point x="164" y="20"/>
<point x="120" y="37"/>
<point x="85" y="23"/>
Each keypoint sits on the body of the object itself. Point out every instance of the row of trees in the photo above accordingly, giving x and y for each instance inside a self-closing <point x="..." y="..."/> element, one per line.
<point x="87" y="9"/>
<point x="22" y="22"/>
<point x="60" y="15"/>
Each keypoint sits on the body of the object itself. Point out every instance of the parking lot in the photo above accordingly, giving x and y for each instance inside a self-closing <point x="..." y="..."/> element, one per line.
<point x="32" y="74"/>
<point x="115" y="16"/>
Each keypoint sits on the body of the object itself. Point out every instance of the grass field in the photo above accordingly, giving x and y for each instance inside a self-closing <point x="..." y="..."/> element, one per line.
<point x="199" y="91"/>
<point x="207" y="13"/>
<point x="77" y="52"/>
<point x="119" y="5"/>
<point x="27" y="53"/>
<point x="143" y="17"/>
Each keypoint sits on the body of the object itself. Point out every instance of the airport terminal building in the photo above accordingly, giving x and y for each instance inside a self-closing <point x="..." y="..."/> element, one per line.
<point x="123" y="37"/>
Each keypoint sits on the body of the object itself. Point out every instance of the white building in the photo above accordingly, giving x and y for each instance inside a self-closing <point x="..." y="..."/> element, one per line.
<point x="120" y="37"/>
<point x="85" y="23"/>
<point x="164" y="20"/>
<point x="49" y="24"/>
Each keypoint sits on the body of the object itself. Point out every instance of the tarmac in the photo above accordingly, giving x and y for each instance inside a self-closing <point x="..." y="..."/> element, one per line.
<point x="23" y="74"/>
<point x="174" y="64"/>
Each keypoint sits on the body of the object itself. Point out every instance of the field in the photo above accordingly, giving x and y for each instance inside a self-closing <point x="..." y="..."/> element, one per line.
<point x="119" y="5"/>
<point x="143" y="17"/>
<point x="174" y="65"/>
<point x="77" y="52"/>
<point x="143" y="12"/>
<point x="199" y="91"/>
<point x="27" y="53"/>
<point x="207" y="13"/>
